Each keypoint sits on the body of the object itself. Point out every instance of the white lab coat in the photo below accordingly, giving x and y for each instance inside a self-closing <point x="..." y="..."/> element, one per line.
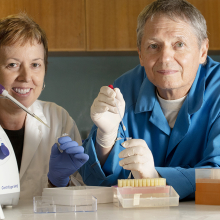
<point x="38" y="140"/>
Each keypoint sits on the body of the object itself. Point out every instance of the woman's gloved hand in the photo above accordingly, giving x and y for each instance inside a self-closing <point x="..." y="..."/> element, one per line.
<point x="138" y="158"/>
<point x="105" y="115"/>
<point x="4" y="152"/>
<point x="62" y="165"/>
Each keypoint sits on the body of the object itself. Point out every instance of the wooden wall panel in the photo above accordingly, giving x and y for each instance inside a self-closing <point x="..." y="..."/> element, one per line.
<point x="63" y="21"/>
<point x="111" y="24"/>
<point x="211" y="11"/>
<point x="104" y="25"/>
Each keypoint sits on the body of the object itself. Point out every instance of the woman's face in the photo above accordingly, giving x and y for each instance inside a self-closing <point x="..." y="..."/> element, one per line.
<point x="22" y="72"/>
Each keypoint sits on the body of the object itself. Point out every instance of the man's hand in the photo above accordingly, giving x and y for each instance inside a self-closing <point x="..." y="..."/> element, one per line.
<point x="105" y="115"/>
<point x="138" y="158"/>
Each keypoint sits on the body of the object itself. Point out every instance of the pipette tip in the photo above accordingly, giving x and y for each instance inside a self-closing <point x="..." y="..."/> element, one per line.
<point x="124" y="128"/>
<point x="40" y="120"/>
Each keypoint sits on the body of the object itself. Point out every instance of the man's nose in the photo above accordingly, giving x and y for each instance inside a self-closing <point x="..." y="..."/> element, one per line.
<point x="166" y="54"/>
<point x="24" y="74"/>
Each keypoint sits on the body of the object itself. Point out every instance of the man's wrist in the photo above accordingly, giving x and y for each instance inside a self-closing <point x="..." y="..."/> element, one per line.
<point x="106" y="140"/>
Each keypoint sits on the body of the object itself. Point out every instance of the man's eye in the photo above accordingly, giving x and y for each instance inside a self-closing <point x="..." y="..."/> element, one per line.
<point x="153" y="46"/>
<point x="180" y="44"/>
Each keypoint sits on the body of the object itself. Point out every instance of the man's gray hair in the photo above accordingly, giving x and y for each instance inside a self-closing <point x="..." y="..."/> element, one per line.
<point x="174" y="9"/>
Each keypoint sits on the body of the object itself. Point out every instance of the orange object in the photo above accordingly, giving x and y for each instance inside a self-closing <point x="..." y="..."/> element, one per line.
<point x="208" y="187"/>
<point x="207" y="198"/>
<point x="207" y="193"/>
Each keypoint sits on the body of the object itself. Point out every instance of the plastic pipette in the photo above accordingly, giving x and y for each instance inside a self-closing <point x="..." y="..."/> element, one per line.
<point x="124" y="128"/>
<point x="5" y="93"/>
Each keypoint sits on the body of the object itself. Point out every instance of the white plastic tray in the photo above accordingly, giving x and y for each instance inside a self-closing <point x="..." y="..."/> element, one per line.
<point x="152" y="196"/>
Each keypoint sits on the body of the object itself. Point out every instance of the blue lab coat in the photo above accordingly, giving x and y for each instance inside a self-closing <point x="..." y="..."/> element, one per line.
<point x="194" y="141"/>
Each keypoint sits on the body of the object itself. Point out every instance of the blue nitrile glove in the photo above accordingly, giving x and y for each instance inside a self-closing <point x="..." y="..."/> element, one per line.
<point x="62" y="165"/>
<point x="4" y="152"/>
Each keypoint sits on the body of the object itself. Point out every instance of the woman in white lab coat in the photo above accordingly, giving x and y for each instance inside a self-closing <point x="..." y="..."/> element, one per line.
<point x="23" y="63"/>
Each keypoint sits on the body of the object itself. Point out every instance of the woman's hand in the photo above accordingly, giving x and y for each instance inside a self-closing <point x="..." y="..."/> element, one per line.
<point x="62" y="165"/>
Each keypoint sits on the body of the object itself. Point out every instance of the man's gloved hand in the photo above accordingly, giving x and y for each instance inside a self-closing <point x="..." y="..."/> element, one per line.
<point x="105" y="115"/>
<point x="62" y="165"/>
<point x="138" y="158"/>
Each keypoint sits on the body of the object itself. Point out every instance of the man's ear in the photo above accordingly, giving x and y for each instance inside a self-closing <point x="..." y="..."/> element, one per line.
<point x="204" y="50"/>
<point x="140" y="58"/>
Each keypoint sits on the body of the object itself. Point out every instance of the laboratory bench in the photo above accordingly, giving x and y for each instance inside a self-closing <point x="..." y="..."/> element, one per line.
<point x="185" y="211"/>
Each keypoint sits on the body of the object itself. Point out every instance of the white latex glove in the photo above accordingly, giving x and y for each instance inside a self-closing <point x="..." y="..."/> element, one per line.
<point x="138" y="158"/>
<point x="105" y="115"/>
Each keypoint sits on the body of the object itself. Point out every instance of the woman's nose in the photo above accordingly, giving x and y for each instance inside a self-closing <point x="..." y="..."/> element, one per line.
<point x="24" y="74"/>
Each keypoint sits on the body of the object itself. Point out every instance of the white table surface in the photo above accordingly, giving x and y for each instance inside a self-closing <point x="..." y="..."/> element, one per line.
<point x="185" y="211"/>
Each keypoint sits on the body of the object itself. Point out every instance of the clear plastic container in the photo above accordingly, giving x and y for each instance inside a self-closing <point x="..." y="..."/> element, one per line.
<point x="49" y="204"/>
<point x="207" y="186"/>
<point x="209" y="175"/>
<point x="152" y="196"/>
<point x="102" y="194"/>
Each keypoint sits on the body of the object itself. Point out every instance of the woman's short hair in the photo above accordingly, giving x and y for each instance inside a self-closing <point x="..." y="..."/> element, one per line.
<point x="174" y="9"/>
<point x="20" y="28"/>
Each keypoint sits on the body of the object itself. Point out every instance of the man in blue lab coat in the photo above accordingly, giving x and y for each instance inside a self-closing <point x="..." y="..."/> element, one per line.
<point x="170" y="105"/>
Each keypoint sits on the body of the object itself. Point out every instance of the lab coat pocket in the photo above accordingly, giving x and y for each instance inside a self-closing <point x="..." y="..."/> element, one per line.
<point x="27" y="189"/>
<point x="44" y="182"/>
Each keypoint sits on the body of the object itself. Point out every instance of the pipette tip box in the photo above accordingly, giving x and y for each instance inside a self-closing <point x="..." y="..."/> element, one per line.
<point x="150" y="196"/>
<point x="207" y="186"/>
<point x="49" y="204"/>
<point x="72" y="199"/>
<point x="101" y="193"/>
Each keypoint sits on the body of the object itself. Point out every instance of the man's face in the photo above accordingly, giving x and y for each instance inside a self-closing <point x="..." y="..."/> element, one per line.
<point x="171" y="56"/>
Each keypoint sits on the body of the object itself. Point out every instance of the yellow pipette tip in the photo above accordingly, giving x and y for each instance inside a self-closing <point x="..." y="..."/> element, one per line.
<point x="40" y="120"/>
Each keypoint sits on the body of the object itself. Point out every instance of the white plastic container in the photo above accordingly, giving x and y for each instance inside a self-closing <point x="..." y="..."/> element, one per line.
<point x="151" y="196"/>
<point x="208" y="175"/>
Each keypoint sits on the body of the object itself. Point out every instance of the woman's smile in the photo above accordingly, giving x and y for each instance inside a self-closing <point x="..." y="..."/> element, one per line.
<point x="21" y="91"/>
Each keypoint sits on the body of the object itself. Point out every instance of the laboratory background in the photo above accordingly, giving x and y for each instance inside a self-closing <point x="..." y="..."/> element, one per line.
<point x="91" y="43"/>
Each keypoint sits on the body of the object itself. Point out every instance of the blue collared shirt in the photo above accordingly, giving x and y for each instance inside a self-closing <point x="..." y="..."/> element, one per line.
<point x="194" y="141"/>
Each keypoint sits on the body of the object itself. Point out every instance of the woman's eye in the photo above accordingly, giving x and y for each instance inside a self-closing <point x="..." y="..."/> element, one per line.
<point x="153" y="46"/>
<point x="35" y="65"/>
<point x="11" y="65"/>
